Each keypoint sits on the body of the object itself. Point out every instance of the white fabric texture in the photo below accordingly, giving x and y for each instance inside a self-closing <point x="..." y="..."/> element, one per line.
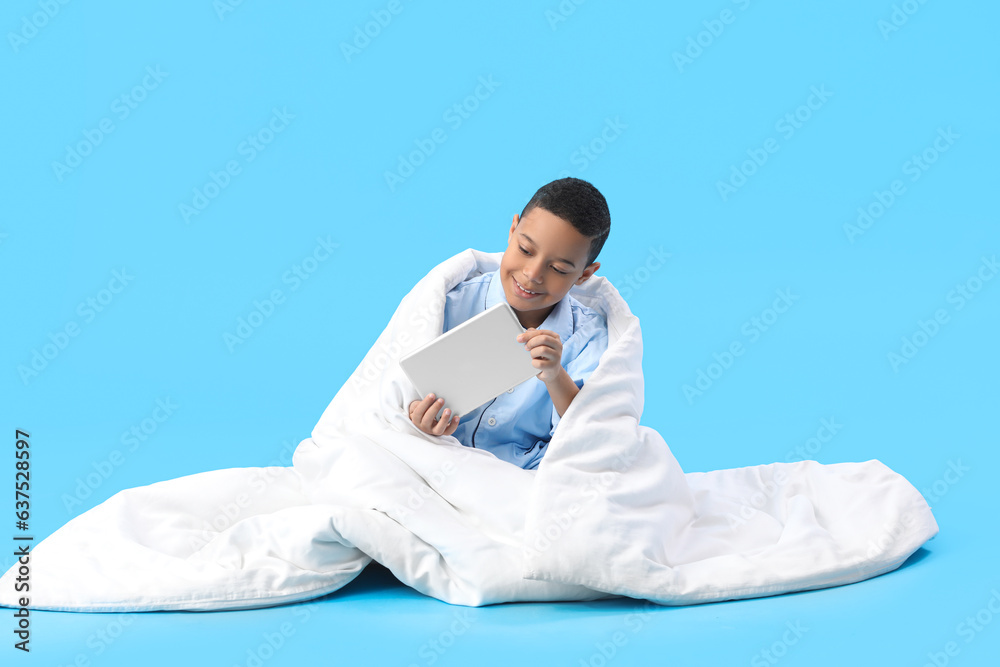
<point x="609" y="511"/>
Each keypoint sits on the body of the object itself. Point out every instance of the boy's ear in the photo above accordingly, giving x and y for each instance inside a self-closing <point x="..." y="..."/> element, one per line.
<point x="587" y="272"/>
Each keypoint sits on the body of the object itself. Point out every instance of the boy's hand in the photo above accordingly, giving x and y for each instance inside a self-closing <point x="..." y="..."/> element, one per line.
<point x="422" y="415"/>
<point x="546" y="352"/>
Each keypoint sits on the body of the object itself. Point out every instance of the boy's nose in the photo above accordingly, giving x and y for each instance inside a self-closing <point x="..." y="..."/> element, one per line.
<point x="530" y="273"/>
<point x="530" y="283"/>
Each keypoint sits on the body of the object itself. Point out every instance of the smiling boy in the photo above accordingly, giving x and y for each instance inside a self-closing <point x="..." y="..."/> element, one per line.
<point x="551" y="246"/>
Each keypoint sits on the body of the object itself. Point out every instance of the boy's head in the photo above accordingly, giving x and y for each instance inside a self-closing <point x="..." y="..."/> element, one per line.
<point x="552" y="246"/>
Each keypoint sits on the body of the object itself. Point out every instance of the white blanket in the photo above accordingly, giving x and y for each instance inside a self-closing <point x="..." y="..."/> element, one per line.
<point x="609" y="511"/>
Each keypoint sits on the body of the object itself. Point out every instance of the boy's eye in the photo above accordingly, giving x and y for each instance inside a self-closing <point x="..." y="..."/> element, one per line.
<point x="553" y="268"/>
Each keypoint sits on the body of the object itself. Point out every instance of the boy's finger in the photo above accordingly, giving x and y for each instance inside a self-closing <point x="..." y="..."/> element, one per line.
<point x="432" y="404"/>
<point x="440" y="426"/>
<point x="539" y="338"/>
<point x="437" y="408"/>
<point x="528" y="335"/>
<point x="429" y="420"/>
<point x="444" y="420"/>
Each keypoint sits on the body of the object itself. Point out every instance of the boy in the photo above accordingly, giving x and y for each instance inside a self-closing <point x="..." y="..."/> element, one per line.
<point x="551" y="246"/>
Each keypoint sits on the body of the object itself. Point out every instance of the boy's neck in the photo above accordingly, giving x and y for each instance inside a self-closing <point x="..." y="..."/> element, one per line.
<point x="534" y="318"/>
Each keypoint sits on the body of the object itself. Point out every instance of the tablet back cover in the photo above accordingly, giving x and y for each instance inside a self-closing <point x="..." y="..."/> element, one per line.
<point x="472" y="363"/>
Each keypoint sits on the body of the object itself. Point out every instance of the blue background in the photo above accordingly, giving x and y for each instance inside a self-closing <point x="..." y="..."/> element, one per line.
<point x="683" y="127"/>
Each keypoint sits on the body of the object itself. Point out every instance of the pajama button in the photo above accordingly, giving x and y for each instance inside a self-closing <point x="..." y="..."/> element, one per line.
<point x="510" y="391"/>
<point x="492" y="421"/>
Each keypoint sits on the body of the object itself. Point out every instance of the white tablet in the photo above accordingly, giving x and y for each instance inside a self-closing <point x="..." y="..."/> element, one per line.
<point x="472" y="363"/>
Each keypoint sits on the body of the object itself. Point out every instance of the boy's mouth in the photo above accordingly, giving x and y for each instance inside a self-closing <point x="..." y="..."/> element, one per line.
<point x="523" y="293"/>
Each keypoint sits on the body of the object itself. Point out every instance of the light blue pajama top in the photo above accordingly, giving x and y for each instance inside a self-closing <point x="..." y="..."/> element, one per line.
<point x="517" y="425"/>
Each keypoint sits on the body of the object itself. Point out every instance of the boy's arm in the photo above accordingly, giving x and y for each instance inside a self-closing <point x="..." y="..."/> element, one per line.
<point x="562" y="390"/>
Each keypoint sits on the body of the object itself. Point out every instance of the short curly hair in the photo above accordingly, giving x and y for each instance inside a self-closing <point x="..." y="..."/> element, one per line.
<point x="579" y="203"/>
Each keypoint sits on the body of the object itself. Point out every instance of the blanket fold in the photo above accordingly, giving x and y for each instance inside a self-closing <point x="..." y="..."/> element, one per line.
<point x="609" y="511"/>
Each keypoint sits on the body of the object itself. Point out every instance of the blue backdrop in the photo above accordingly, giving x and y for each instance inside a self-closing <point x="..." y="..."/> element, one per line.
<point x="211" y="210"/>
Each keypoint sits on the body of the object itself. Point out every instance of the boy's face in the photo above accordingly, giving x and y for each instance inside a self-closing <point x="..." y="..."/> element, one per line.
<point x="546" y="255"/>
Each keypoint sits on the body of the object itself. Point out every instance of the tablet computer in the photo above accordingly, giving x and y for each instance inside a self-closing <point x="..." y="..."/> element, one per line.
<point x="473" y="362"/>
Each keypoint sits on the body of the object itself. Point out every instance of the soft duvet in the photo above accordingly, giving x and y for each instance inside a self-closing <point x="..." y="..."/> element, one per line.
<point x="609" y="512"/>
